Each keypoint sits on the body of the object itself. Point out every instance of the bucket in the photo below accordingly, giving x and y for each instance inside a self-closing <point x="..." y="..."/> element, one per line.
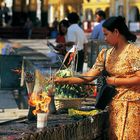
<point x="42" y="119"/>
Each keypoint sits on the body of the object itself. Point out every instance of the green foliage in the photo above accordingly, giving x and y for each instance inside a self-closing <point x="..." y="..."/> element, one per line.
<point x="71" y="91"/>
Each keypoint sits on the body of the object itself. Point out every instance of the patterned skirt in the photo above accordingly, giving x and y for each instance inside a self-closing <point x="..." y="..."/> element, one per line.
<point x="125" y="116"/>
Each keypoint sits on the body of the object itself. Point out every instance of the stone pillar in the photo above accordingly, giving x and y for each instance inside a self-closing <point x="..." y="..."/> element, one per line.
<point x="62" y="11"/>
<point x="126" y="10"/>
<point x="32" y="10"/>
<point x="44" y="13"/>
<point x="24" y="11"/>
<point x="16" y="18"/>
<point x="51" y="14"/>
<point x="1" y="22"/>
<point x="112" y="8"/>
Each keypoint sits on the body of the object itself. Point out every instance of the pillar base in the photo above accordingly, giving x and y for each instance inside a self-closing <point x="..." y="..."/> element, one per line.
<point x="32" y="16"/>
<point x="16" y="18"/>
<point x="44" y="19"/>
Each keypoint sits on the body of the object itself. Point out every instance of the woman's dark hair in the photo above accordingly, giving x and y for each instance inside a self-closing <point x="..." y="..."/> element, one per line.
<point x="113" y="23"/>
<point x="65" y="23"/>
<point x="73" y="17"/>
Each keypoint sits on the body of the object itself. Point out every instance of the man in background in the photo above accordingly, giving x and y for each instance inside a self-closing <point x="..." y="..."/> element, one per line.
<point x="76" y="37"/>
<point x="97" y="33"/>
<point x="28" y="27"/>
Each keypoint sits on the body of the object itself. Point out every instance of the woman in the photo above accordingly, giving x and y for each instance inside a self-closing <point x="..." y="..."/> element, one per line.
<point x="61" y="38"/>
<point x="123" y="66"/>
<point x="60" y="43"/>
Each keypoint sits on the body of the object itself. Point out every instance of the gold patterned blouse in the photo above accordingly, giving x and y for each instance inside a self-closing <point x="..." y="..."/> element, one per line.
<point x="125" y="107"/>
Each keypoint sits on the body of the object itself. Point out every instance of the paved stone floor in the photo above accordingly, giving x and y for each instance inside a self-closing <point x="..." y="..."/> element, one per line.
<point x="33" y="49"/>
<point x="8" y="107"/>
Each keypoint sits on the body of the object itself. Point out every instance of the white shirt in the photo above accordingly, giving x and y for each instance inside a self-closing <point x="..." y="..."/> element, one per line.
<point x="77" y="35"/>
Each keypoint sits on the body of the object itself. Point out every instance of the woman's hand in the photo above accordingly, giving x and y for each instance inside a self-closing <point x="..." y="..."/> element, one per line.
<point x="128" y="81"/>
<point x="111" y="80"/>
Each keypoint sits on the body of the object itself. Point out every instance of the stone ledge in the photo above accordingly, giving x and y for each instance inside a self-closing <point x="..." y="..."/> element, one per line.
<point x="59" y="126"/>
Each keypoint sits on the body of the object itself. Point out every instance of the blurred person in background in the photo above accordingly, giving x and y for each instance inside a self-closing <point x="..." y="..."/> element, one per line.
<point x="55" y="25"/>
<point x="59" y="44"/>
<point x="97" y="33"/>
<point x="76" y="38"/>
<point x="61" y="38"/>
<point x="28" y="28"/>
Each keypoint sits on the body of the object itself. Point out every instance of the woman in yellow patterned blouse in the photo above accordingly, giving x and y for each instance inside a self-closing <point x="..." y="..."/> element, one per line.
<point x="123" y="66"/>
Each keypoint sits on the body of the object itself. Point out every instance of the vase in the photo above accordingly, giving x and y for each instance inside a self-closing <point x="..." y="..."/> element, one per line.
<point x="52" y="108"/>
<point x="42" y="119"/>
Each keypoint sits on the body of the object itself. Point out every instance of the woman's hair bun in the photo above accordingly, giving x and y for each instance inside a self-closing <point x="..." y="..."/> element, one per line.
<point x="120" y="18"/>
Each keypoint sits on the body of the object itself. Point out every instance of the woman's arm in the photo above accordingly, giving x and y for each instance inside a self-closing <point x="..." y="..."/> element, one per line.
<point x="128" y="81"/>
<point x="87" y="76"/>
<point x="83" y="78"/>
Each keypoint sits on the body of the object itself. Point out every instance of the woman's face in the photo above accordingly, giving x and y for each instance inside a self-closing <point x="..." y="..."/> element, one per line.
<point x="63" y="28"/>
<point x="110" y="37"/>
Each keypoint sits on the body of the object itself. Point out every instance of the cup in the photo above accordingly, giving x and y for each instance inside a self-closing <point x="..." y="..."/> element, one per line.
<point x="42" y="119"/>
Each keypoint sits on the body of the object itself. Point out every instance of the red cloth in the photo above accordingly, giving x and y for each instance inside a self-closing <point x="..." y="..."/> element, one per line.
<point x="60" y="39"/>
<point x="95" y="92"/>
<point x="62" y="49"/>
